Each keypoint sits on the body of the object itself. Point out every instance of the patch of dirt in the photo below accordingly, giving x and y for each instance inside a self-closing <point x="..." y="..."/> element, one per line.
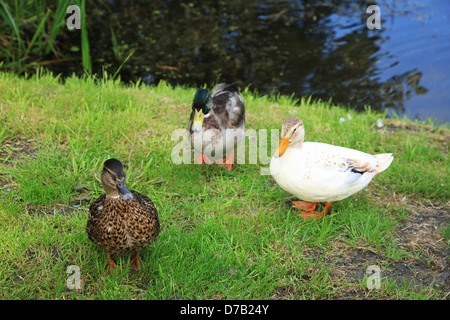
<point x="439" y="134"/>
<point x="71" y="209"/>
<point x="15" y="150"/>
<point x="421" y="230"/>
<point x="421" y="234"/>
<point x="393" y="125"/>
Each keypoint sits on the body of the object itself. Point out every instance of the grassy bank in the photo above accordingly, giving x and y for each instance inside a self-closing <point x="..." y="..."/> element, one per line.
<point x="225" y="235"/>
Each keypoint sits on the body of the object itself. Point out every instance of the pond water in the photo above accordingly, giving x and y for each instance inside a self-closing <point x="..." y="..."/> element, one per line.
<point x="419" y="40"/>
<point x="319" y="48"/>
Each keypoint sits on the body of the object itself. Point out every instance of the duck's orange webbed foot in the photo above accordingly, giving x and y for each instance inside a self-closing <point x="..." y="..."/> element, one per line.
<point x="309" y="207"/>
<point x="228" y="161"/>
<point x="135" y="263"/>
<point x="202" y="159"/>
<point x="305" y="206"/>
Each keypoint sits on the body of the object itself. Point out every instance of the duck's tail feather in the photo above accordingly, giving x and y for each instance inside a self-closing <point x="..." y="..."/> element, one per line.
<point x="384" y="161"/>
<point x="226" y="87"/>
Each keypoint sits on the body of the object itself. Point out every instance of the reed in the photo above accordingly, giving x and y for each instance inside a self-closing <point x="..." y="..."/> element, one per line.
<point x="31" y="34"/>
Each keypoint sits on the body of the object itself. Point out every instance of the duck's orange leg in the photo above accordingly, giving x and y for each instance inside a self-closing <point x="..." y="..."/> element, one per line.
<point x="111" y="265"/>
<point x="228" y="161"/>
<point x="135" y="263"/>
<point x="327" y="208"/>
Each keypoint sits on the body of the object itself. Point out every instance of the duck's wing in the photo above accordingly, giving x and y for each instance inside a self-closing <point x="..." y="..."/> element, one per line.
<point x="95" y="212"/>
<point x="361" y="165"/>
<point x="146" y="204"/>
<point x="147" y="208"/>
<point x="340" y="160"/>
<point x="370" y="163"/>
<point x="96" y="207"/>
<point x="228" y="106"/>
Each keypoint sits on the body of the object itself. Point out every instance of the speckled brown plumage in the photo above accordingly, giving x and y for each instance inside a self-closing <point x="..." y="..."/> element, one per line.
<point x="121" y="221"/>
<point x="120" y="226"/>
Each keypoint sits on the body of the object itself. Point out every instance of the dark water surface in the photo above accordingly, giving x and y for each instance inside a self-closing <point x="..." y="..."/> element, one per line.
<point x="318" y="48"/>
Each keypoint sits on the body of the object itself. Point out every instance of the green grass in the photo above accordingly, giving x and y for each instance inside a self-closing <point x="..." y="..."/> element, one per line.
<point x="225" y="235"/>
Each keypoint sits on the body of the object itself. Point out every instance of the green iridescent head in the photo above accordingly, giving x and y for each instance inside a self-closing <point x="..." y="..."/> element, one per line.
<point x="200" y="107"/>
<point x="202" y="100"/>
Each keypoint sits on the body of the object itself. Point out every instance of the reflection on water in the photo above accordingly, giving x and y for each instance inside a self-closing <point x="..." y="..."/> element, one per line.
<point x="320" y="48"/>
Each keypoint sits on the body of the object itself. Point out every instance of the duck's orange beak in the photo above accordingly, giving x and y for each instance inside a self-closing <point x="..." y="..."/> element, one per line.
<point x="281" y="149"/>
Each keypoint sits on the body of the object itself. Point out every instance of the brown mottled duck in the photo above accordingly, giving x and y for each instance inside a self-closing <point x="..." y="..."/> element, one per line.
<point x="121" y="221"/>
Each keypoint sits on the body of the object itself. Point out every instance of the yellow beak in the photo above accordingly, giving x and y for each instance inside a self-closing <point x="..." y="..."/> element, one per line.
<point x="281" y="149"/>
<point x="198" y="120"/>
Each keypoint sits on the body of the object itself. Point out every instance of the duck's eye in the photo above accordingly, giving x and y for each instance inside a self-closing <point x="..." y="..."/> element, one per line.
<point x="294" y="130"/>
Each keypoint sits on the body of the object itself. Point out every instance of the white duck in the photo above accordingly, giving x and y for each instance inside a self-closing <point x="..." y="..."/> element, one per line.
<point x="319" y="172"/>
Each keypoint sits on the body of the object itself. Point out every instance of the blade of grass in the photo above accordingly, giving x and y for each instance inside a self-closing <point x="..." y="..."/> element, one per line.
<point x="58" y="22"/>
<point x="5" y="12"/>
<point x="115" y="45"/>
<point x="38" y="32"/>
<point x="124" y="61"/>
<point x="85" y="55"/>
